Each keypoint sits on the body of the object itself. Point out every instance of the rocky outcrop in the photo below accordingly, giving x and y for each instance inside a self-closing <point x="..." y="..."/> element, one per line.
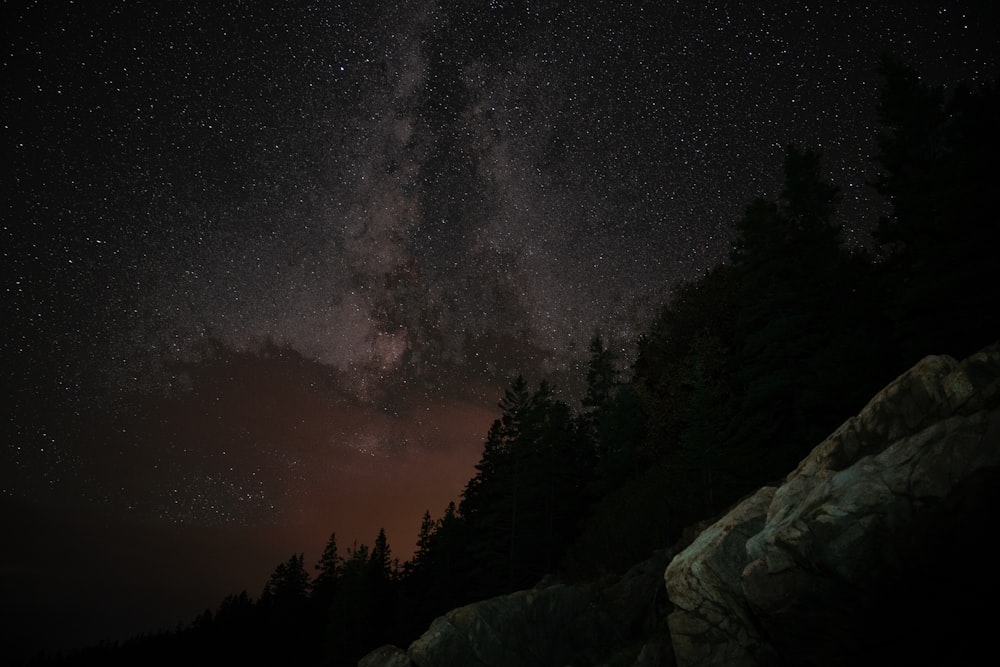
<point x="877" y="549"/>
<point x="385" y="656"/>
<point x="557" y="624"/>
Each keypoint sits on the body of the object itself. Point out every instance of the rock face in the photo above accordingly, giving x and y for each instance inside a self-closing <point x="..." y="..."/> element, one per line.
<point x="877" y="549"/>
<point x="560" y="624"/>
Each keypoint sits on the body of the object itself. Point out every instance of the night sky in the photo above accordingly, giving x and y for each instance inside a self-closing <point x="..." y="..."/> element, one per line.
<point x="266" y="269"/>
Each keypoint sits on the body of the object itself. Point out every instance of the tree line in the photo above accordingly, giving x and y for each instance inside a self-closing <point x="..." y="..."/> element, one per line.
<point x="741" y="374"/>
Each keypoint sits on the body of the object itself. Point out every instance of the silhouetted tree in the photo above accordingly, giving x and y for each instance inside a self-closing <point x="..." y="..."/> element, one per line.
<point x="289" y="583"/>
<point x="328" y="572"/>
<point x="612" y="417"/>
<point x="523" y="506"/>
<point x="439" y="572"/>
<point x="330" y="563"/>
<point x="350" y="619"/>
<point x="424" y="539"/>
<point x="704" y="458"/>
<point x="381" y="558"/>
<point x="283" y="612"/>
<point x="698" y="308"/>
<point x="790" y="306"/>
<point x="235" y="617"/>
<point x="937" y="156"/>
<point x="602" y="375"/>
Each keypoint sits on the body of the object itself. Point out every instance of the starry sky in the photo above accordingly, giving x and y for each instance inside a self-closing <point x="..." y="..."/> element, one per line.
<point x="267" y="266"/>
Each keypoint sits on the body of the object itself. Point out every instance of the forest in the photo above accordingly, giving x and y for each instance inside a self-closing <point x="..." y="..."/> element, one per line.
<point x="744" y="370"/>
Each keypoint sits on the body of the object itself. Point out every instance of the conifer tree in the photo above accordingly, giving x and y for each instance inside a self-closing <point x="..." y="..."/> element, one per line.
<point x="289" y="583"/>
<point x="424" y="539"/>
<point x="602" y="376"/>
<point x="790" y="305"/>
<point x="381" y="557"/>
<point x="328" y="569"/>
<point x="936" y="160"/>
<point x="524" y="504"/>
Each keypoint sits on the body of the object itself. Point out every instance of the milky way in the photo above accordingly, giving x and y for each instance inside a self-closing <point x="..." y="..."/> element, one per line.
<point x="419" y="199"/>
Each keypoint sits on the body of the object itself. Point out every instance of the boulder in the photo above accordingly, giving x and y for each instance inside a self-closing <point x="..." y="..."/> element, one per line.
<point x="385" y="656"/>
<point x="554" y="624"/>
<point x="711" y="623"/>
<point x="876" y="549"/>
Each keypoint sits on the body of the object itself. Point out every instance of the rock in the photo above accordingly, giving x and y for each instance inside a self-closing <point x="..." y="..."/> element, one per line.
<point x="558" y="624"/>
<point x="385" y="656"/>
<point x="443" y="644"/>
<point x="655" y="654"/>
<point x="875" y="549"/>
<point x="711" y="624"/>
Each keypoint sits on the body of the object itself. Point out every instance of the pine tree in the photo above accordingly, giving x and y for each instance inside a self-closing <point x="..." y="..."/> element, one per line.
<point x="283" y="610"/>
<point x="936" y="160"/>
<point x="424" y="540"/>
<point x="438" y="577"/>
<point x="381" y="557"/>
<point x="328" y="569"/>
<point x="602" y="376"/>
<point x="791" y="303"/>
<point x="524" y="504"/>
<point x="698" y="310"/>
<point x="289" y="582"/>
<point x="352" y="623"/>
